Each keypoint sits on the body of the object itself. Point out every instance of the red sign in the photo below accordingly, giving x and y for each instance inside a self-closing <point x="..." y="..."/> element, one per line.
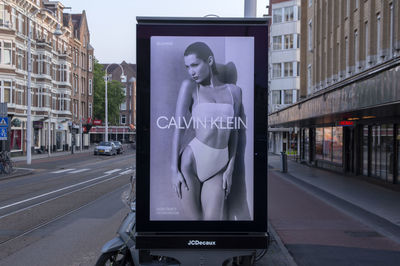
<point x="97" y="122"/>
<point x="345" y="123"/>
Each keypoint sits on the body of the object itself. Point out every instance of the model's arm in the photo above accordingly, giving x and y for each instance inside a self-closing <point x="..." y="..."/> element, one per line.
<point x="233" y="142"/>
<point x="182" y="106"/>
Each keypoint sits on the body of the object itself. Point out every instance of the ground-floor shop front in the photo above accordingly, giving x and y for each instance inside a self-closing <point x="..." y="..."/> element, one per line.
<point x="352" y="128"/>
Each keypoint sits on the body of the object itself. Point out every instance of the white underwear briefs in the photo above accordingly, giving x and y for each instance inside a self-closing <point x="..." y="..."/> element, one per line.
<point x="209" y="160"/>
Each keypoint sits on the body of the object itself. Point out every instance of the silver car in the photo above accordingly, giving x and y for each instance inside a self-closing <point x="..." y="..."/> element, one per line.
<point x="107" y="148"/>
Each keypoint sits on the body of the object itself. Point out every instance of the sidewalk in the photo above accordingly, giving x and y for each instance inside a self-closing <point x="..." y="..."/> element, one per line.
<point x="374" y="205"/>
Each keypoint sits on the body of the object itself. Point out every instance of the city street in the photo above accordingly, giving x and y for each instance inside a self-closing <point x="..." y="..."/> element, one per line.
<point x="65" y="211"/>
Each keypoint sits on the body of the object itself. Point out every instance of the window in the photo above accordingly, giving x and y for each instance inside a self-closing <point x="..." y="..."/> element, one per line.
<point x="90" y="86"/>
<point x="288" y="41"/>
<point x="124" y="91"/>
<point x="366" y="40"/>
<point x="123" y="119"/>
<point x="90" y="110"/>
<point x="277" y="42"/>
<point x="347" y="57"/>
<point x="347" y="8"/>
<point x="90" y="63"/>
<point x="289" y="13"/>
<point x="309" y="2"/>
<point x="276" y="97"/>
<point x="6" y="92"/>
<point x="276" y="70"/>
<point x="20" y="23"/>
<point x="309" y="77"/>
<point x="277" y="17"/>
<point x="378" y="35"/>
<point x="288" y="96"/>
<point x="4" y="16"/>
<point x="391" y="20"/>
<point x="298" y="69"/>
<point x="319" y="138"/>
<point x="7" y="60"/>
<point x="310" y="44"/>
<point x="357" y="4"/>
<point x="123" y="106"/>
<point x="40" y="97"/>
<point x="288" y="69"/>
<point x="356" y="48"/>
<point x="20" y="59"/>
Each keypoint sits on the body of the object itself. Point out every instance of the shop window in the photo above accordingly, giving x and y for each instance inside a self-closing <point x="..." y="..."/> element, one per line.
<point x="337" y="145"/>
<point x="365" y="151"/>
<point x="16" y="140"/>
<point x="319" y="138"/>
<point x="327" y="143"/>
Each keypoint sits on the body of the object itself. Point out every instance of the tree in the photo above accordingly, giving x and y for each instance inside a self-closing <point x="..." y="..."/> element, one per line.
<point x="115" y="96"/>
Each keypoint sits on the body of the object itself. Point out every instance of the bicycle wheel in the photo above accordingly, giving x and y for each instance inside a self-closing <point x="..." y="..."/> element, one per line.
<point x="7" y="168"/>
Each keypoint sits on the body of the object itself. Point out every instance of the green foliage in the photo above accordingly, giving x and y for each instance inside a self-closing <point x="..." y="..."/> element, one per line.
<point x="115" y="96"/>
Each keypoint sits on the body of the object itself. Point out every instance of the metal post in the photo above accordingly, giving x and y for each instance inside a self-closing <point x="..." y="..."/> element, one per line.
<point x="49" y="134"/>
<point x="106" y="109"/>
<point x="250" y="8"/>
<point x="29" y="120"/>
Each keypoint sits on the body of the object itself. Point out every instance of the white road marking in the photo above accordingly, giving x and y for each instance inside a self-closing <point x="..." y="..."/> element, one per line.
<point x="126" y="172"/>
<point x="51" y="192"/>
<point x="79" y="170"/>
<point x="62" y="171"/>
<point x="112" y="171"/>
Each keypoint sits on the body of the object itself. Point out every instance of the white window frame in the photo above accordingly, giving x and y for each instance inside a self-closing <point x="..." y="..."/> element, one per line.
<point x="291" y="11"/>
<point x="273" y="15"/>
<point x="5" y="50"/>
<point x="274" y="73"/>
<point x="90" y="63"/>
<point x="288" y="69"/>
<point x="123" y="106"/>
<point x="90" y="86"/>
<point x="378" y="35"/>
<point x="123" y="117"/>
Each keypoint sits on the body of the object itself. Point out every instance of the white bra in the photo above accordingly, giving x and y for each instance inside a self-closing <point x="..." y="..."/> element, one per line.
<point x="207" y="112"/>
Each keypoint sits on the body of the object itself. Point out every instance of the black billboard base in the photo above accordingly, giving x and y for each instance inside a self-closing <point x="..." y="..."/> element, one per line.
<point x="201" y="249"/>
<point x="203" y="257"/>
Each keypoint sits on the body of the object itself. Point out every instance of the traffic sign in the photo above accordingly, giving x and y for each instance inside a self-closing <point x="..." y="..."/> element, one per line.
<point x="3" y="133"/>
<point x="3" y="121"/>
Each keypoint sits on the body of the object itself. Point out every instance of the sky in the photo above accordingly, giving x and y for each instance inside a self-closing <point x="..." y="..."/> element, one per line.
<point x="112" y="24"/>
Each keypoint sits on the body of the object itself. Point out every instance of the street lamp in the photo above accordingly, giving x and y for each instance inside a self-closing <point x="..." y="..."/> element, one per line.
<point x="123" y="79"/>
<point x="57" y="32"/>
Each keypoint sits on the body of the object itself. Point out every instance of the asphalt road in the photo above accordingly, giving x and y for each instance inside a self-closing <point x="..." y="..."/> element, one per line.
<point x="64" y="212"/>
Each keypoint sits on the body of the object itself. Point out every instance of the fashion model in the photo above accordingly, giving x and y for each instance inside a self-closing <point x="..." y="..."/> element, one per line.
<point x="202" y="170"/>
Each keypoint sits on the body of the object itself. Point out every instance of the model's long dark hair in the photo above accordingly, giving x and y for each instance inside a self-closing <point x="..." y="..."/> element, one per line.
<point x="203" y="52"/>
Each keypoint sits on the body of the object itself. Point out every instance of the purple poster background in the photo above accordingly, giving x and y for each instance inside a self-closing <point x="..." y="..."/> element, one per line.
<point x="167" y="73"/>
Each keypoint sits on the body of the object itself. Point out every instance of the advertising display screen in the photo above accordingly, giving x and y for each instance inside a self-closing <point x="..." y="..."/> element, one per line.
<point x="201" y="127"/>
<point x="205" y="110"/>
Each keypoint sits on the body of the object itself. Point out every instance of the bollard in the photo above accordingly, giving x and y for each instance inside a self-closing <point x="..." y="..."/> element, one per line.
<point x="284" y="162"/>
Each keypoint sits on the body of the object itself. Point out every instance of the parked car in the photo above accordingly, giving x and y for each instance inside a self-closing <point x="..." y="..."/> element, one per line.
<point x="107" y="148"/>
<point x="119" y="147"/>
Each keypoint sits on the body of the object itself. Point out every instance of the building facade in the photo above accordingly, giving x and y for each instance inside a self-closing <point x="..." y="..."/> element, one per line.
<point x="284" y="66"/>
<point x="125" y="130"/>
<point x="348" y="115"/>
<point x="56" y="65"/>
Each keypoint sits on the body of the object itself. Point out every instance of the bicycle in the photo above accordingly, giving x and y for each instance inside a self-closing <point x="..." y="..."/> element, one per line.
<point x="6" y="164"/>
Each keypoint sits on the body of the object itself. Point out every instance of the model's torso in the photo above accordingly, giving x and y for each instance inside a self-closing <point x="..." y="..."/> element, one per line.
<point x="213" y="113"/>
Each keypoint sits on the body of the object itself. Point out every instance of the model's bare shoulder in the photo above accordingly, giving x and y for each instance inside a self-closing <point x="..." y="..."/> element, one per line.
<point x="236" y="92"/>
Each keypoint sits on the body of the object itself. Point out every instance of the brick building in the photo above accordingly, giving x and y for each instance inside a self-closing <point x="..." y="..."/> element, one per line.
<point x="61" y="66"/>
